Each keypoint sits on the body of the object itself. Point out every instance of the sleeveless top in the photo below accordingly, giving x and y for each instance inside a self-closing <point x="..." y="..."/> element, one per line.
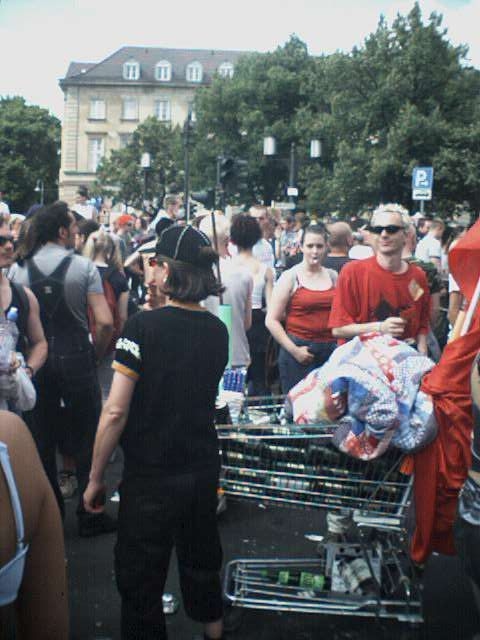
<point x="258" y="287"/>
<point x="22" y="304"/>
<point x="11" y="574"/>
<point x="308" y="312"/>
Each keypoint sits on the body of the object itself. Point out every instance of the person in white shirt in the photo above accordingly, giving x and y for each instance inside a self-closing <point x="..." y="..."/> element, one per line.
<point x="429" y="248"/>
<point x="172" y="209"/>
<point x="238" y="283"/>
<point x="263" y="249"/>
<point x="4" y="208"/>
<point x="82" y="207"/>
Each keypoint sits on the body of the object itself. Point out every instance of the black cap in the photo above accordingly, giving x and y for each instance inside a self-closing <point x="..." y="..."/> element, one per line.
<point x="182" y="243"/>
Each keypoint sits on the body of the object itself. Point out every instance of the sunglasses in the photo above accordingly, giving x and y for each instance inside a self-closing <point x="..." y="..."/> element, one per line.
<point x="5" y="239"/>
<point x="389" y="228"/>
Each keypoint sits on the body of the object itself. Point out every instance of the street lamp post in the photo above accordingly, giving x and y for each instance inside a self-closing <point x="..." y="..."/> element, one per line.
<point x="187" y="131"/>
<point x="270" y="150"/>
<point x="145" y="163"/>
<point x="40" y="188"/>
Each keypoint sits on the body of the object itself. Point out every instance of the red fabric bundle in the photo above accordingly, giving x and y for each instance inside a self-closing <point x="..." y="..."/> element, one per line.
<point x="441" y="468"/>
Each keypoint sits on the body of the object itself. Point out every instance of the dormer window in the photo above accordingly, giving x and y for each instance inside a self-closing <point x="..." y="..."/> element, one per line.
<point x="163" y="71"/>
<point x="194" y="72"/>
<point x="225" y="70"/>
<point x="131" y="70"/>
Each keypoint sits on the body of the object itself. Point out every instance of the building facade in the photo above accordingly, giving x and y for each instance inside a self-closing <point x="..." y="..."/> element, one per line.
<point x="106" y="101"/>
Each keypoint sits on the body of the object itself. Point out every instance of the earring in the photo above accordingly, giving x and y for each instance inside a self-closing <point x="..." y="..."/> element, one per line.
<point x="164" y="279"/>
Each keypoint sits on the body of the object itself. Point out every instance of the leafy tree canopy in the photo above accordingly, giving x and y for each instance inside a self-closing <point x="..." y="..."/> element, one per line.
<point x="406" y="97"/>
<point x="402" y="99"/>
<point x="29" y="151"/>
<point x="121" y="173"/>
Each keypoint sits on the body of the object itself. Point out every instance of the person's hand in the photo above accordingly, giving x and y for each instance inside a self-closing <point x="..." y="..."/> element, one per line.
<point x="94" y="497"/>
<point x="394" y="326"/>
<point x="14" y="362"/>
<point x="303" y="355"/>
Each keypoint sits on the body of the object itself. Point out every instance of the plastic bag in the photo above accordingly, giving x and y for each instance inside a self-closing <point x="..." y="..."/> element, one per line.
<point x="26" y="396"/>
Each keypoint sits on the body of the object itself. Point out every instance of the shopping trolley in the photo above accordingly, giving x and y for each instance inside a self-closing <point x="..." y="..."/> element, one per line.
<point x="368" y="574"/>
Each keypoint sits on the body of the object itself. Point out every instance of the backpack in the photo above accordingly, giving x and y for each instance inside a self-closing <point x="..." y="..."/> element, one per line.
<point x="112" y="305"/>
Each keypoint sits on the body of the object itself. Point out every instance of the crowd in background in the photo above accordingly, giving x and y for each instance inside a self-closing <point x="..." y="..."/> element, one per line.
<point x="278" y="270"/>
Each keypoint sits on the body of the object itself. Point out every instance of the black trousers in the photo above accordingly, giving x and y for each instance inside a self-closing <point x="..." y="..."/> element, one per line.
<point x="67" y="410"/>
<point x="155" y="515"/>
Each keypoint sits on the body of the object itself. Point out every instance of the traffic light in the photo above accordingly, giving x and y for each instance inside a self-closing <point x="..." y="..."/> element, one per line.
<point x="227" y="171"/>
<point x="205" y="197"/>
<point x="241" y="174"/>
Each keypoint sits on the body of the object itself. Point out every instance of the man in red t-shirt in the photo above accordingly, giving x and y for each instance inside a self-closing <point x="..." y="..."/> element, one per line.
<point x="383" y="293"/>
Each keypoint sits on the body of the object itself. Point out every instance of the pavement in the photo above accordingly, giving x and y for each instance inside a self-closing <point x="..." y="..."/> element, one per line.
<point x="254" y="530"/>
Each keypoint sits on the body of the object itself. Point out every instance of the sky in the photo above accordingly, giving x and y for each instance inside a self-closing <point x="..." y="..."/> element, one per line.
<point x="39" y="38"/>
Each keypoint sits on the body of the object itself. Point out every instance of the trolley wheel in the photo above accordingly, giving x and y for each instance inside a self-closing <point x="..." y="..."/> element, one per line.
<point x="232" y="617"/>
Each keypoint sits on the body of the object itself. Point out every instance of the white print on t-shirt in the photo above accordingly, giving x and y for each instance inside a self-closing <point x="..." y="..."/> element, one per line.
<point x="128" y="345"/>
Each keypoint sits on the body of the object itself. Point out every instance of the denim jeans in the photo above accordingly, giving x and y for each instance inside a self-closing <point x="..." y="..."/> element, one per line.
<point x="291" y="371"/>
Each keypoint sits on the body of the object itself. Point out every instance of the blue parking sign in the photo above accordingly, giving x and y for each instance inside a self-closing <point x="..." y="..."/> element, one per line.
<point x="422" y="183"/>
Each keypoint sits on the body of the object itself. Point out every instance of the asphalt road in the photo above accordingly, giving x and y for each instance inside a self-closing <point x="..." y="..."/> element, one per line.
<point x="251" y="530"/>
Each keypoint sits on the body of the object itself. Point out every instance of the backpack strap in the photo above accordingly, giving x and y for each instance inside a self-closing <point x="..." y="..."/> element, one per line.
<point x="22" y="297"/>
<point x="49" y="289"/>
<point x="107" y="273"/>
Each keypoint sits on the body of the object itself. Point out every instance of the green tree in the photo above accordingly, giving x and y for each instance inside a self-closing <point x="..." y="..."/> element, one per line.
<point x="404" y="98"/>
<point x="234" y="114"/>
<point x="29" y="151"/>
<point x="122" y="176"/>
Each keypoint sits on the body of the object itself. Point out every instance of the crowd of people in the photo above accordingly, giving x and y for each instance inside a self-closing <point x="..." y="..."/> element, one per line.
<point x="118" y="330"/>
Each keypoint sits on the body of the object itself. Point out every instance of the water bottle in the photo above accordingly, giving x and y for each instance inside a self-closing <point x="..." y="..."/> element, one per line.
<point x="8" y="339"/>
<point x="170" y="603"/>
<point x="315" y="582"/>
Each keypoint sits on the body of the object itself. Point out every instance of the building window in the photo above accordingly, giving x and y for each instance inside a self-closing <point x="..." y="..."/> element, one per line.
<point x="131" y="70"/>
<point x="96" y="151"/>
<point x="97" y="109"/>
<point x="163" y="71"/>
<point x="130" y="109"/>
<point x="162" y="110"/>
<point x="226" y="70"/>
<point x="125" y="139"/>
<point x="194" y="72"/>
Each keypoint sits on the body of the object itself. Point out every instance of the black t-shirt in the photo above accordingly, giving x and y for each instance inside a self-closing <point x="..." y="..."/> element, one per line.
<point x="336" y="262"/>
<point x="116" y="278"/>
<point x="177" y="357"/>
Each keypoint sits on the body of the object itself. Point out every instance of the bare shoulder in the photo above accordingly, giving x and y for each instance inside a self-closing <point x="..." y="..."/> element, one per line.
<point x="14" y="432"/>
<point x="32" y="298"/>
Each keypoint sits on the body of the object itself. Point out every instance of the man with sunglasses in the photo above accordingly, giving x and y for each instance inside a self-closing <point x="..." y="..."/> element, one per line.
<point x="31" y="340"/>
<point x="383" y="293"/>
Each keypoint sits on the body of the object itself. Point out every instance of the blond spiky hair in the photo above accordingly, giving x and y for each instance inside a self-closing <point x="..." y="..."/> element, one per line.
<point x="393" y="207"/>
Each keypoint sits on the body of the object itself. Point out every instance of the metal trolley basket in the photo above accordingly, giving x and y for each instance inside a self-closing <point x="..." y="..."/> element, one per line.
<point x="368" y="574"/>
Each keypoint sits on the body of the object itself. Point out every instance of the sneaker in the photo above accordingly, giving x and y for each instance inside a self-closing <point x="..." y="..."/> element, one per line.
<point x="90" y="525"/>
<point x="67" y="481"/>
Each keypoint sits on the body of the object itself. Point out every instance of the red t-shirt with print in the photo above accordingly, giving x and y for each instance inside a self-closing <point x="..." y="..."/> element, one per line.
<point x="368" y="293"/>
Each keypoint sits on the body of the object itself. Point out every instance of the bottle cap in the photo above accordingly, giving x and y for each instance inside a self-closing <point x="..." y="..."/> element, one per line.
<point x="12" y="314"/>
